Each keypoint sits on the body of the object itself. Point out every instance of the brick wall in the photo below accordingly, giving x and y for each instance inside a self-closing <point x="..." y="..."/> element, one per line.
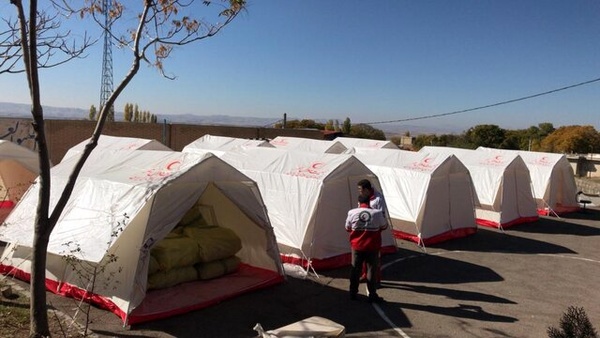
<point x="61" y="135"/>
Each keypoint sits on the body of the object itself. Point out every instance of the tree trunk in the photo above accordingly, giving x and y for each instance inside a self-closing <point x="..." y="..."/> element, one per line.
<point x="39" y="315"/>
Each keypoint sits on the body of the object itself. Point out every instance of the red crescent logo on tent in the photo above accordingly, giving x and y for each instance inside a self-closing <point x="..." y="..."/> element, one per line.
<point x="314" y="168"/>
<point x="173" y="164"/>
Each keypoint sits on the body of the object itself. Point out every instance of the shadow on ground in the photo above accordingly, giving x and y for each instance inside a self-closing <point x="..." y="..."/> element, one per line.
<point x="425" y="268"/>
<point x="494" y="240"/>
<point x="566" y="225"/>
<point x="446" y="292"/>
<point x="461" y="311"/>
<point x="281" y="305"/>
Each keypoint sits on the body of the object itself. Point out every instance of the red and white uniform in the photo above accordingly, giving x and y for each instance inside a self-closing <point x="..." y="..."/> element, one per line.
<point x="365" y="225"/>
<point x="376" y="201"/>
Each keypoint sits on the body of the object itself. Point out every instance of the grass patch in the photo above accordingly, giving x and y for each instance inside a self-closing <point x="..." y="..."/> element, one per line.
<point x="14" y="314"/>
<point x="14" y="317"/>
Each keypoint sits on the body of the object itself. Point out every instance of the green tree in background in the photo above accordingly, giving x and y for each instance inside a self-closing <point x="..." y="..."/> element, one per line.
<point x="512" y="140"/>
<point x="128" y="112"/>
<point x="546" y="129"/>
<point x="543" y="137"/>
<point x="93" y="113"/>
<point x="301" y="124"/>
<point x="132" y="113"/>
<point x="485" y="135"/>
<point x="329" y="125"/>
<point x="347" y="126"/>
<point x="366" y="131"/>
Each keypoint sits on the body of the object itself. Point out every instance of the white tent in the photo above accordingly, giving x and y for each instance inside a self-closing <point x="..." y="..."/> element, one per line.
<point x="308" y="196"/>
<point x="19" y="167"/>
<point x="352" y="142"/>
<point x="106" y="142"/>
<point x="430" y="197"/>
<point x="308" y="145"/>
<point x="553" y="180"/>
<point x="225" y="143"/>
<point x="124" y="206"/>
<point x="502" y="183"/>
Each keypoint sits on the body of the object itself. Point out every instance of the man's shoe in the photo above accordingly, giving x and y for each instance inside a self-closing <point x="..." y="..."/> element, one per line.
<point x="376" y="299"/>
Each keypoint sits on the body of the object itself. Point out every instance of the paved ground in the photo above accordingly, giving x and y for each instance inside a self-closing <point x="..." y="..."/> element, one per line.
<point x="515" y="283"/>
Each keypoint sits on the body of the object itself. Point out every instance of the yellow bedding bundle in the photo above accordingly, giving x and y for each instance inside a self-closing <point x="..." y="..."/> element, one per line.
<point x="175" y="252"/>
<point x="213" y="243"/>
<point x="217" y="268"/>
<point x="165" y="279"/>
<point x="193" y="251"/>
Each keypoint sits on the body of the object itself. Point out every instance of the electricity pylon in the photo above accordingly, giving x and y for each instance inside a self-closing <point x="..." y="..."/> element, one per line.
<point x="106" y="87"/>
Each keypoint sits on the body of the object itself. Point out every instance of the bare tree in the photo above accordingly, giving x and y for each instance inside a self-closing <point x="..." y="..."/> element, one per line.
<point x="35" y="41"/>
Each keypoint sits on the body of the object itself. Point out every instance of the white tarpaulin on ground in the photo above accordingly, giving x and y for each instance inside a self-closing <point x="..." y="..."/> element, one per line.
<point x="122" y="205"/>
<point x="308" y="196"/>
<point x="502" y="183"/>
<point x="553" y="180"/>
<point x="430" y="197"/>
<point x="312" y="327"/>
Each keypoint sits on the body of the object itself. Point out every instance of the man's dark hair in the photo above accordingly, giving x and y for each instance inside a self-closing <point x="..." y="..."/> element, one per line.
<point x="365" y="184"/>
<point x="363" y="199"/>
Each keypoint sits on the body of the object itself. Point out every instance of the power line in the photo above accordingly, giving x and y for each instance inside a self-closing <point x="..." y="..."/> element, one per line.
<point x="489" y="105"/>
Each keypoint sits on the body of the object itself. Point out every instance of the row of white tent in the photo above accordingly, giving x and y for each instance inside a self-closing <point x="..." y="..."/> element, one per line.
<point x="127" y="200"/>
<point x="508" y="187"/>
<point x="287" y="205"/>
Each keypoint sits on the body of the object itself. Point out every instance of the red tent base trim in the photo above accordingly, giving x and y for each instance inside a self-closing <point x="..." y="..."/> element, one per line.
<point x="448" y="235"/>
<point x="164" y="303"/>
<point x="521" y="220"/>
<point x="7" y="204"/>
<point x="331" y="262"/>
<point x="557" y="211"/>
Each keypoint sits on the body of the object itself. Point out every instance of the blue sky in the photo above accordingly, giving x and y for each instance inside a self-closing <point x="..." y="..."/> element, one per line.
<point x="372" y="61"/>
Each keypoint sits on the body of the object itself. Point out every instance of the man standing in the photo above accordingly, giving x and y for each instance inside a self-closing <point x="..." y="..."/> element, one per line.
<point x="376" y="201"/>
<point x="365" y="225"/>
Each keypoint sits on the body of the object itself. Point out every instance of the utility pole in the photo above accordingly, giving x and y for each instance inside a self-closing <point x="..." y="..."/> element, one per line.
<point x="106" y="87"/>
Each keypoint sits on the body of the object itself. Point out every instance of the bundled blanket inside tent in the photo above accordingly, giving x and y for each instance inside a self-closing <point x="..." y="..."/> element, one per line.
<point x="123" y="205"/>
<point x="195" y="249"/>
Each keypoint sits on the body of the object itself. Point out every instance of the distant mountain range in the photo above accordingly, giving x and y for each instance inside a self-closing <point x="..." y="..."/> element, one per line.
<point x="18" y="110"/>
